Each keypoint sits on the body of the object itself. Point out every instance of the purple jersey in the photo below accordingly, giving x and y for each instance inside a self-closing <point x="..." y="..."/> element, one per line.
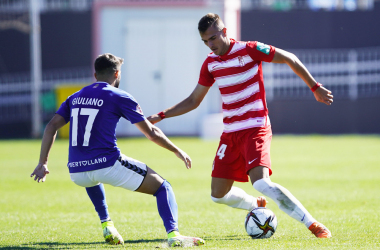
<point x="94" y="112"/>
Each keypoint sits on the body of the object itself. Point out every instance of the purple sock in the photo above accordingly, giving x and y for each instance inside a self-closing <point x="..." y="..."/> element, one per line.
<point x="98" y="197"/>
<point x="167" y="206"/>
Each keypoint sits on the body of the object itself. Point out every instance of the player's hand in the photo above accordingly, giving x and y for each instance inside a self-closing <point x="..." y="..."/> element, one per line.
<point x="40" y="172"/>
<point x="323" y="95"/>
<point x="154" y="118"/>
<point x="184" y="157"/>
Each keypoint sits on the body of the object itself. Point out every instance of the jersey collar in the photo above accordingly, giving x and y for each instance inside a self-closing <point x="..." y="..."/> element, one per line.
<point x="232" y="43"/>
<point x="101" y="82"/>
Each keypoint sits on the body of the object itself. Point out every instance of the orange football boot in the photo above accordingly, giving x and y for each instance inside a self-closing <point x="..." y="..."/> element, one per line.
<point x="261" y="201"/>
<point x="319" y="230"/>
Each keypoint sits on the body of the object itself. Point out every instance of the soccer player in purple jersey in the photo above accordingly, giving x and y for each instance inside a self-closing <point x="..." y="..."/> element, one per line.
<point x="94" y="158"/>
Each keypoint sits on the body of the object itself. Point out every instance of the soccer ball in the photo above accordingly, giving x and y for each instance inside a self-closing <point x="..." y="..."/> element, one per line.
<point x="260" y="223"/>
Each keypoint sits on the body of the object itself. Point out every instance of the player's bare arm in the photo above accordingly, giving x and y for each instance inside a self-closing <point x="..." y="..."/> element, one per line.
<point x="188" y="104"/>
<point x="48" y="138"/>
<point x="157" y="136"/>
<point x="321" y="94"/>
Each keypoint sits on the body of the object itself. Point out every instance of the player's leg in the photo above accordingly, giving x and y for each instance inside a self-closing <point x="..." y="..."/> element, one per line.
<point x="281" y="196"/>
<point x="134" y="175"/>
<point x="155" y="185"/>
<point x="97" y="195"/>
<point x="228" y="166"/>
<point x="285" y="201"/>
<point x="258" y="166"/>
<point x="167" y="207"/>
<point x="223" y="192"/>
<point x="142" y="179"/>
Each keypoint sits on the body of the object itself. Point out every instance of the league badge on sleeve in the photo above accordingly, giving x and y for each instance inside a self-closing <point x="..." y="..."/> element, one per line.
<point x="263" y="48"/>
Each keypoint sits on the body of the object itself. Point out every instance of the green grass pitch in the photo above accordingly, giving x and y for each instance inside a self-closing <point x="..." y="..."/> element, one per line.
<point x="337" y="178"/>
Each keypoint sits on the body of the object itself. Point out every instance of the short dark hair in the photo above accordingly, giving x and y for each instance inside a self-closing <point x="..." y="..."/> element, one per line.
<point x="107" y="64"/>
<point x="209" y="20"/>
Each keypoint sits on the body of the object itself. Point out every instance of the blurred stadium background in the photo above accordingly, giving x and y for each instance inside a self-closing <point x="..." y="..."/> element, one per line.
<point x="47" y="48"/>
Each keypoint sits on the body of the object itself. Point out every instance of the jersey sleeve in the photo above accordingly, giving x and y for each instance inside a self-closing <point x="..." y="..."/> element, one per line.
<point x="205" y="77"/>
<point x="130" y="109"/>
<point x="64" y="110"/>
<point x="260" y="51"/>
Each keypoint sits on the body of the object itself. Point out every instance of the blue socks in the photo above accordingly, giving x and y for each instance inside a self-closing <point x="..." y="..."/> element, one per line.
<point x="98" y="198"/>
<point x="167" y="206"/>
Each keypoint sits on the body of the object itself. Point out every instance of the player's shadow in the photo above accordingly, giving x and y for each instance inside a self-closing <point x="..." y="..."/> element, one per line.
<point x="52" y="245"/>
<point x="88" y="245"/>
<point x="230" y="238"/>
<point x="143" y="241"/>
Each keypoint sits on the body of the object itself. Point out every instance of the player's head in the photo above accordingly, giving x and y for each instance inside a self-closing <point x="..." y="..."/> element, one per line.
<point x="213" y="33"/>
<point x="108" y="68"/>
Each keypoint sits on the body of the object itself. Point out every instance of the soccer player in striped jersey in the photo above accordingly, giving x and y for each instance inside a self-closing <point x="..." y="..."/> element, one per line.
<point x="244" y="148"/>
<point x="94" y="158"/>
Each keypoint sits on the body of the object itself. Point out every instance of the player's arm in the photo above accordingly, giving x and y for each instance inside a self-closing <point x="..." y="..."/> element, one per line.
<point x="48" y="138"/>
<point x="321" y="94"/>
<point x="188" y="104"/>
<point x="157" y="136"/>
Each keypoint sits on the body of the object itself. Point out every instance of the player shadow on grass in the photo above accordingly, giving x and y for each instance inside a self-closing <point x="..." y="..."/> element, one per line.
<point x="231" y="238"/>
<point x="57" y="245"/>
<point x="52" y="245"/>
<point x="144" y="241"/>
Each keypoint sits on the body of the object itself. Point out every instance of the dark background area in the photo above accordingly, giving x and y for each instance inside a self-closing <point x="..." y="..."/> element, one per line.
<point x="313" y="30"/>
<point x="344" y="116"/>
<point x="65" y="41"/>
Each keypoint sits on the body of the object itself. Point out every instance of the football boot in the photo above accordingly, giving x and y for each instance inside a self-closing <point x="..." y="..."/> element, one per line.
<point x="261" y="201"/>
<point x="319" y="230"/>
<point x="175" y="239"/>
<point x="110" y="233"/>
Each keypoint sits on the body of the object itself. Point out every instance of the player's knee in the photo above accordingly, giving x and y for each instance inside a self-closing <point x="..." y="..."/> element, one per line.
<point x="217" y="200"/>
<point x="220" y="192"/>
<point x="165" y="187"/>
<point x="262" y="184"/>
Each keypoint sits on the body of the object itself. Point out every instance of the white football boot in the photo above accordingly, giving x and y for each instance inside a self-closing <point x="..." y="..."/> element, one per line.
<point x="175" y="239"/>
<point x="110" y="233"/>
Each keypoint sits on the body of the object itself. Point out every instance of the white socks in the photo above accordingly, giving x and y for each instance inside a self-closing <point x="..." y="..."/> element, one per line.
<point x="285" y="200"/>
<point x="237" y="198"/>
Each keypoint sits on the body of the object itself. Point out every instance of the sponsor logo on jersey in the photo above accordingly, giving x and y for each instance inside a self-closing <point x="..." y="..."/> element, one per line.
<point x="139" y="110"/>
<point x="87" y="101"/>
<point x="263" y="48"/>
<point x="86" y="163"/>
<point x="241" y="61"/>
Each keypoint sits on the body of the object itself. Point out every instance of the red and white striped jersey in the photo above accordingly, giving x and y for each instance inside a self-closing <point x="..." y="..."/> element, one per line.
<point x="239" y="76"/>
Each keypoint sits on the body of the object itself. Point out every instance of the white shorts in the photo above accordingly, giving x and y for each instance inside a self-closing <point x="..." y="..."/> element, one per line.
<point x="127" y="173"/>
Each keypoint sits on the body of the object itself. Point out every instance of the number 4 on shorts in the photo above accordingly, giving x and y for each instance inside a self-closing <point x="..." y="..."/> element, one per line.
<point x="221" y="151"/>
